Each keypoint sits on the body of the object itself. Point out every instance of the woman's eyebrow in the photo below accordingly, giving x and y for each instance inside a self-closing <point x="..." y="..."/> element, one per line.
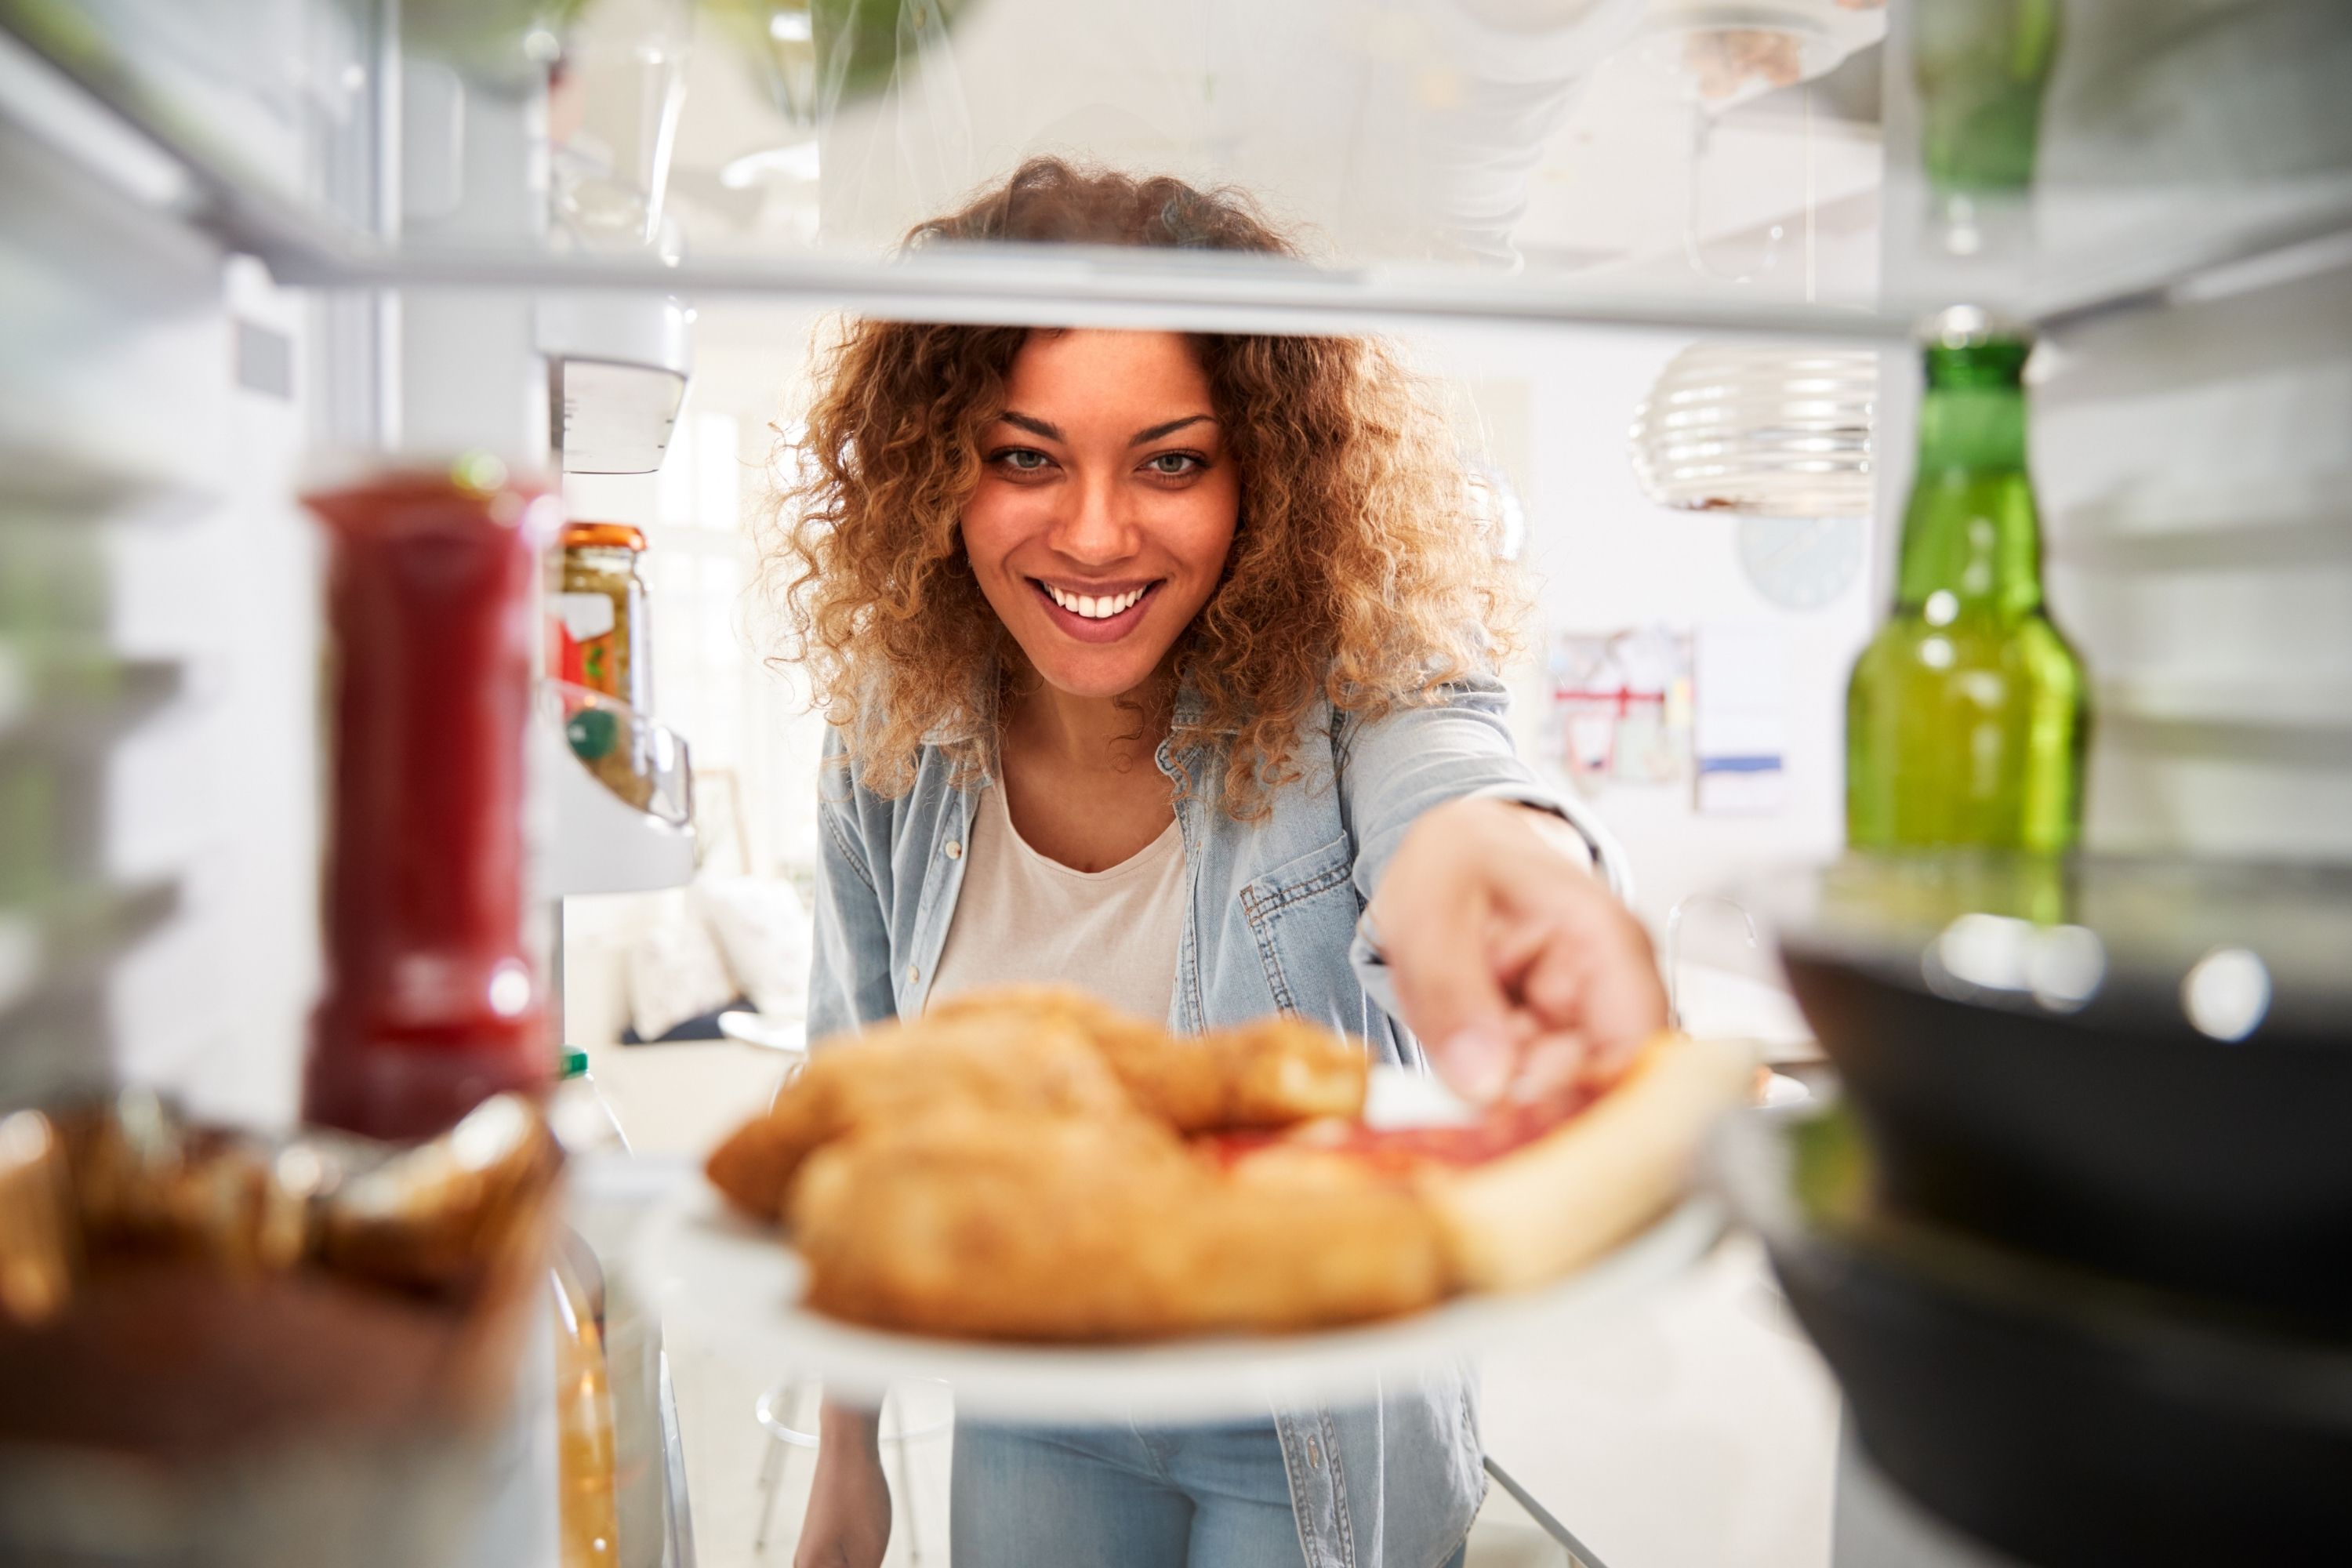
<point x="1170" y="429"/>
<point x="1035" y="426"/>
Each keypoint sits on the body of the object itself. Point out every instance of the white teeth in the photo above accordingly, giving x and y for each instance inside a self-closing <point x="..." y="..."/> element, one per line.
<point x="1092" y="607"/>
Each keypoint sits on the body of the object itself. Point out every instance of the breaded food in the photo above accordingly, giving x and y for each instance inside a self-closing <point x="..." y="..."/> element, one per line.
<point x="1059" y="1229"/>
<point x="1267" y="1074"/>
<point x="894" y="1074"/>
<point x="1030" y="1164"/>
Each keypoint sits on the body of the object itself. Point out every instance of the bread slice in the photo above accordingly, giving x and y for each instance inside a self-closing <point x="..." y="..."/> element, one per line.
<point x="1555" y="1205"/>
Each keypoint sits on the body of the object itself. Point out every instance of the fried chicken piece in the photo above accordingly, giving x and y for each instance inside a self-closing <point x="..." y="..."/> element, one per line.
<point x="1278" y="1256"/>
<point x="1266" y="1074"/>
<point x="1040" y="1066"/>
<point x="991" y="1226"/>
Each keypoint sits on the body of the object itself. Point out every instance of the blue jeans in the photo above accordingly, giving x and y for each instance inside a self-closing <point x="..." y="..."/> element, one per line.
<point x="1194" y="1497"/>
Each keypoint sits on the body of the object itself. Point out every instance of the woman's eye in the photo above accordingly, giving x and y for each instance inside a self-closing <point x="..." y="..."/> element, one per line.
<point x="1175" y="465"/>
<point x="1021" y="459"/>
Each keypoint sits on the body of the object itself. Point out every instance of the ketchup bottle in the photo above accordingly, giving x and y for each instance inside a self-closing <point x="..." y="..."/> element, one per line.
<point x="432" y="1004"/>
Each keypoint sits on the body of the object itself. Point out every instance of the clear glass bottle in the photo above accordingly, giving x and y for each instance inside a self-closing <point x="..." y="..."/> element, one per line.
<point x="587" y="1499"/>
<point x="587" y="1452"/>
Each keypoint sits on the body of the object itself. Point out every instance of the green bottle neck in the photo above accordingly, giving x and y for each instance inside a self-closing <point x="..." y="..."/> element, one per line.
<point x="1970" y="530"/>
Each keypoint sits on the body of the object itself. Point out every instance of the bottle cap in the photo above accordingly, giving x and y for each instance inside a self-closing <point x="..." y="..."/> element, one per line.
<point x="572" y="1063"/>
<point x="1969" y="327"/>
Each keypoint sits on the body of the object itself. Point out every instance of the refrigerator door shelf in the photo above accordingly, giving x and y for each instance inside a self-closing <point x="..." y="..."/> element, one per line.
<point x="621" y="361"/>
<point x="600" y="843"/>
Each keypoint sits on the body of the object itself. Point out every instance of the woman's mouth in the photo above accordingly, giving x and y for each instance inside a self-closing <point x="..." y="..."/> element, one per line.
<point x="1099" y="615"/>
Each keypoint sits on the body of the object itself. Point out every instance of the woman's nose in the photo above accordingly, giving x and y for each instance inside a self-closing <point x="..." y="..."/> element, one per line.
<point x="1096" y="529"/>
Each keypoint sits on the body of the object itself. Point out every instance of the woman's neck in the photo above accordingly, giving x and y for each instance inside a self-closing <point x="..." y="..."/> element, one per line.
<point x="1084" y="734"/>
<point x="1079" y="775"/>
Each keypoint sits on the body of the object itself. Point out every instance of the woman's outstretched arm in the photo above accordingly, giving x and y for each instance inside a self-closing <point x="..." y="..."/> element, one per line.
<point x="1488" y="933"/>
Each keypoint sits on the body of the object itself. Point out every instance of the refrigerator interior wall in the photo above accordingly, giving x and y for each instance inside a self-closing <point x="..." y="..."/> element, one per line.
<point x="2195" y="468"/>
<point x="157" y="790"/>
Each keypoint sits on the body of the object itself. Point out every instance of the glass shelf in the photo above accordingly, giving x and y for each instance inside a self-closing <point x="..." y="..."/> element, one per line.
<point x="53" y="946"/>
<point x="75" y="697"/>
<point x="1650" y="163"/>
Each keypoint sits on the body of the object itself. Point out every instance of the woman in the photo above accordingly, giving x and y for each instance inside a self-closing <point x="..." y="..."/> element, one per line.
<point x="1156" y="666"/>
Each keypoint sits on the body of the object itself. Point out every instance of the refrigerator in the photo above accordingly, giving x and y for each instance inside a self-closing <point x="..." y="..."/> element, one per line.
<point x="250" y="246"/>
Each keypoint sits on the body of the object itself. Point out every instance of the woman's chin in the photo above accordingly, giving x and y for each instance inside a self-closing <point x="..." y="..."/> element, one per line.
<point x="1108" y="675"/>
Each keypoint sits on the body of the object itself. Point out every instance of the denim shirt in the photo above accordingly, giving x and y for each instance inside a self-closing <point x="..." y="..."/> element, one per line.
<point x="1270" y="924"/>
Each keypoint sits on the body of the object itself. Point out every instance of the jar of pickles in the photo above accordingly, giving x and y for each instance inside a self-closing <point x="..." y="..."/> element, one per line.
<point x="598" y="644"/>
<point x="597" y="609"/>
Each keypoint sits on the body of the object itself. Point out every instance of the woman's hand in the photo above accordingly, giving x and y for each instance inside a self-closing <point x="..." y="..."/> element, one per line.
<point x="848" y="1521"/>
<point x="1514" y="964"/>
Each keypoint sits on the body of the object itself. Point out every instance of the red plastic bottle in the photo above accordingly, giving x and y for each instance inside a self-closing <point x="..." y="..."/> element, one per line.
<point x="432" y="1001"/>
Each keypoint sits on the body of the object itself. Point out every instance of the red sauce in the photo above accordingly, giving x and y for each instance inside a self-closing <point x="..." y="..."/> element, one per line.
<point x="1397" y="1150"/>
<point x="431" y="1003"/>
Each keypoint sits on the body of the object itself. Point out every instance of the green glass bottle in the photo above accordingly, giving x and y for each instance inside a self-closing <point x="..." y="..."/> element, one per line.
<point x="1964" y="718"/>
<point x="1981" y="67"/>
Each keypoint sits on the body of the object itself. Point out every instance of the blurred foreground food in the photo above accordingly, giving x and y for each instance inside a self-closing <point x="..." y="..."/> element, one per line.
<point x="1029" y="1164"/>
<point x="180" y="1290"/>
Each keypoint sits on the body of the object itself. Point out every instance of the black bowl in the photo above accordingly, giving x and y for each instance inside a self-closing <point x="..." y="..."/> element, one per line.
<point x="2142" y="1065"/>
<point x="2061" y="1416"/>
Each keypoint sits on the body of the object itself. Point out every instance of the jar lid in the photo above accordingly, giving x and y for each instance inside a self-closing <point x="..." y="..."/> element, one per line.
<point x="601" y="535"/>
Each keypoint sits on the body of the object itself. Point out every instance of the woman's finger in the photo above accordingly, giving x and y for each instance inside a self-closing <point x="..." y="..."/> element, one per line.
<point x="1552" y="1063"/>
<point x="1595" y="977"/>
<point x="1455" y="1000"/>
<point x="1553" y="984"/>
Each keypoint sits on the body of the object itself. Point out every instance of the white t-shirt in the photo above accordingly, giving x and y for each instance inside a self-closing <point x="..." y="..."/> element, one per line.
<point x="1022" y="918"/>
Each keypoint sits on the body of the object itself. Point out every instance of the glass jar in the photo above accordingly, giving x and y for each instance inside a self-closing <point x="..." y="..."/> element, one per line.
<point x="432" y="1001"/>
<point x="596" y="608"/>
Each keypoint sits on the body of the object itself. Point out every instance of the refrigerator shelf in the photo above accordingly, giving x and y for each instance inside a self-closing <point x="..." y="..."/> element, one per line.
<point x="2110" y="243"/>
<point x="54" y="945"/>
<point x="76" y="700"/>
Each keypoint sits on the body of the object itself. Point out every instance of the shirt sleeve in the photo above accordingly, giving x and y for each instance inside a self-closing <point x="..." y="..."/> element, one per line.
<point x="1457" y="747"/>
<point x="849" y="961"/>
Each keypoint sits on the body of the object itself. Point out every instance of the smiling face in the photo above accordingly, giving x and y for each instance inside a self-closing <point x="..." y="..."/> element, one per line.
<point x="1106" y="505"/>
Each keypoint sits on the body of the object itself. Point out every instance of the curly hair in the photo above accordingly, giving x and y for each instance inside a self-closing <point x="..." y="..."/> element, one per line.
<point x="1359" y="571"/>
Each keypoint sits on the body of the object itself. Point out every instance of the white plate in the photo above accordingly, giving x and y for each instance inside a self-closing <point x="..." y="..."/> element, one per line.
<point x="756" y="1029"/>
<point x="730" y="1285"/>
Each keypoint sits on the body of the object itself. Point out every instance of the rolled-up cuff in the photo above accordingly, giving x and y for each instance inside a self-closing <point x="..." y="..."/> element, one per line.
<point x="1608" y="854"/>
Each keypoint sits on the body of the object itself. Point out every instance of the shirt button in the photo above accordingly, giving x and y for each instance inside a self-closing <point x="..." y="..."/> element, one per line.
<point x="913" y="973"/>
<point x="954" y="850"/>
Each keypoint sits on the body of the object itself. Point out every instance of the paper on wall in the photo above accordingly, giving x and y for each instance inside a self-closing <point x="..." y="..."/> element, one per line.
<point x="1739" y="729"/>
